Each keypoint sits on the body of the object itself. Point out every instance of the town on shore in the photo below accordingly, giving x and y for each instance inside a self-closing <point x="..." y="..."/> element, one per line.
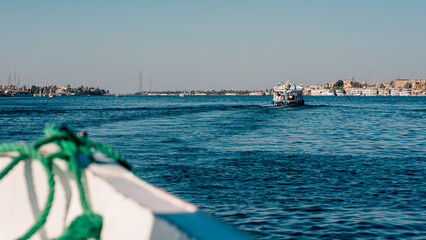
<point x="399" y="87"/>
<point x="49" y="91"/>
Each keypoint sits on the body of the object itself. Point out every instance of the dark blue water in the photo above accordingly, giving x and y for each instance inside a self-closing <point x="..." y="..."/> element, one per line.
<point x="338" y="168"/>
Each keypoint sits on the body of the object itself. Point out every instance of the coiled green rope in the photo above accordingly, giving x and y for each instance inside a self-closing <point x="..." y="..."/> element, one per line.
<point x="72" y="149"/>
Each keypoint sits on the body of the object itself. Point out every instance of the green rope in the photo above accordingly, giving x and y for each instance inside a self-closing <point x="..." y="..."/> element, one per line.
<point x="9" y="167"/>
<point x="72" y="148"/>
<point x="42" y="218"/>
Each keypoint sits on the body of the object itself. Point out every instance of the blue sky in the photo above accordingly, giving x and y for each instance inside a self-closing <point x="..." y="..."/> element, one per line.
<point x="206" y="45"/>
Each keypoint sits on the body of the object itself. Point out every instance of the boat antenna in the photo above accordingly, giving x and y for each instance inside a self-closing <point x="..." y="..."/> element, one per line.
<point x="140" y="82"/>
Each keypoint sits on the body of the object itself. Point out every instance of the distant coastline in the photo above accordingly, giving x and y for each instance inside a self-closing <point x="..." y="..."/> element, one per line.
<point x="230" y="92"/>
<point x="50" y="91"/>
<point x="398" y="87"/>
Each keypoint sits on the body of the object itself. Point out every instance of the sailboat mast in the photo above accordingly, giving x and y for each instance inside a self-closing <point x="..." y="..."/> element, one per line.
<point x="140" y="82"/>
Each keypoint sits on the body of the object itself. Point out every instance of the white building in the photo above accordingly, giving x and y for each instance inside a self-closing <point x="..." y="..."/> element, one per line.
<point x="370" y="92"/>
<point x="383" y="92"/>
<point x="323" y="92"/>
<point x="395" y="91"/>
<point x="340" y="92"/>
<point x="404" y="93"/>
<point x="354" y="91"/>
<point x="255" y="93"/>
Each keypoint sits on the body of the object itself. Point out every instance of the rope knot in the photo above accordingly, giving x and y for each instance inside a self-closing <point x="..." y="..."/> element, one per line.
<point x="78" y="152"/>
<point x="86" y="226"/>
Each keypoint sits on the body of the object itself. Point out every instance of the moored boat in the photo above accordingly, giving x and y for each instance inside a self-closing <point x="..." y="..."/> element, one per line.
<point x="288" y="94"/>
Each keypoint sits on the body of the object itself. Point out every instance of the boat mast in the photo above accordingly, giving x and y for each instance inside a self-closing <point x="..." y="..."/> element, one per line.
<point x="140" y="82"/>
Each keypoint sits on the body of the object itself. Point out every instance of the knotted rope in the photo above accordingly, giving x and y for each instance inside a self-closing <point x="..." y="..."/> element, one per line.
<point x="75" y="150"/>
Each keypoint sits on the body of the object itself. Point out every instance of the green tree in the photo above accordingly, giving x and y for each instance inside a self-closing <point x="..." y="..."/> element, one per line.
<point x="338" y="85"/>
<point x="407" y="85"/>
<point x="355" y="84"/>
<point x="35" y="89"/>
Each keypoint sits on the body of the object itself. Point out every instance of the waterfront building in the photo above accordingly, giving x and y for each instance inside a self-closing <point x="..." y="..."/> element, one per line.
<point x="370" y="92"/>
<point x="340" y="92"/>
<point x="400" y="83"/>
<point x="323" y="92"/>
<point x="405" y="93"/>
<point x="418" y="91"/>
<point x="387" y="85"/>
<point x="256" y="93"/>
<point x="347" y="84"/>
<point x="314" y="87"/>
<point x="398" y="87"/>
<point x="383" y="92"/>
<point x="308" y="90"/>
<point x="395" y="91"/>
<point x="316" y="92"/>
<point x="418" y="84"/>
<point x="354" y="91"/>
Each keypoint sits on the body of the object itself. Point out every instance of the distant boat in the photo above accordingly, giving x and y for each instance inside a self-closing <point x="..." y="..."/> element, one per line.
<point x="117" y="95"/>
<point x="340" y="92"/>
<point x="182" y="95"/>
<point x="288" y="95"/>
<point x="323" y="92"/>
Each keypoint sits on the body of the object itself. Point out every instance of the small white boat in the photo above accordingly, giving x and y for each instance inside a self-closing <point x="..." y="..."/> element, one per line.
<point x="288" y="95"/>
<point x="340" y="92"/>
<point x="323" y="92"/>
<point x="89" y="193"/>
<point x="182" y="95"/>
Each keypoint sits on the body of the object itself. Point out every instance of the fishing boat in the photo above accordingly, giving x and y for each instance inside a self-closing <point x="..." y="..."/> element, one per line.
<point x="288" y="95"/>
<point x="66" y="186"/>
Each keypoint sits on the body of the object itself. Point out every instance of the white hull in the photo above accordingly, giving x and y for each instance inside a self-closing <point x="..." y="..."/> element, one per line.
<point x="130" y="207"/>
<point x="288" y="94"/>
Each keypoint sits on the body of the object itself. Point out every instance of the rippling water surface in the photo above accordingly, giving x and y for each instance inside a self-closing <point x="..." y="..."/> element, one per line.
<point x="338" y="168"/>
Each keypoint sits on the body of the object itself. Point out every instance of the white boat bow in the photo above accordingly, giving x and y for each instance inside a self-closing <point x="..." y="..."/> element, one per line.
<point x="130" y="207"/>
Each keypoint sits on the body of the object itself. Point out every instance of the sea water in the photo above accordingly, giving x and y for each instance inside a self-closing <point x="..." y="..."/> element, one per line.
<point x="337" y="168"/>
